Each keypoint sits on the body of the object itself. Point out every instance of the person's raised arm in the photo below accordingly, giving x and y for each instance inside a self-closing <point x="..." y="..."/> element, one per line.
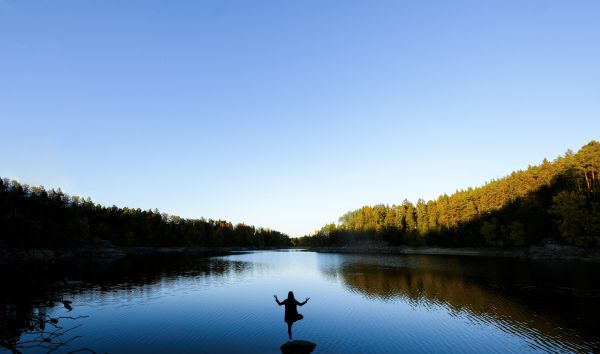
<point x="278" y="302"/>
<point x="305" y="301"/>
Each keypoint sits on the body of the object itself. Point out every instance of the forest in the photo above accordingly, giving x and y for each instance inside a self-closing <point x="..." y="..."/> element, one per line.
<point x="556" y="201"/>
<point x="32" y="217"/>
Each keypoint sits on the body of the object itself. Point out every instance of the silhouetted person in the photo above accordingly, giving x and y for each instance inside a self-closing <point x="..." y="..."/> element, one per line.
<point x="291" y="310"/>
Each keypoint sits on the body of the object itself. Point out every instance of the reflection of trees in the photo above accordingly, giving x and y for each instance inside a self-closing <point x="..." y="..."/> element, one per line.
<point x="148" y="268"/>
<point x="29" y="290"/>
<point x="501" y="299"/>
<point x="28" y="324"/>
<point x="29" y="307"/>
<point x="146" y="273"/>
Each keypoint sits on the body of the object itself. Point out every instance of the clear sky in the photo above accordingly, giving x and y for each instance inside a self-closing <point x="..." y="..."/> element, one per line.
<point x="287" y="114"/>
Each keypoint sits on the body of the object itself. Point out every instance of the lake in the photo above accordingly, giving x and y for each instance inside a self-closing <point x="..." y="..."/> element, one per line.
<point x="172" y="303"/>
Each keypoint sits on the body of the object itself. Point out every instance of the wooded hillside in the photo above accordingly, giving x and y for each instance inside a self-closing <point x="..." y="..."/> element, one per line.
<point x="557" y="200"/>
<point x="35" y="217"/>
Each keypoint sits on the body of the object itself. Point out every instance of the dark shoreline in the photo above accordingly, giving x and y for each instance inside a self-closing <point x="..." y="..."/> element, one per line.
<point x="546" y="252"/>
<point x="110" y="254"/>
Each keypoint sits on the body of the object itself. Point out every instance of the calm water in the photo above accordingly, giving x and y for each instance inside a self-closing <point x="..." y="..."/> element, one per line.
<point x="359" y="304"/>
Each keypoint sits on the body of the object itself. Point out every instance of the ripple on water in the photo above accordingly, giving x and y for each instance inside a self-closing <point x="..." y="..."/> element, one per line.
<point x="366" y="304"/>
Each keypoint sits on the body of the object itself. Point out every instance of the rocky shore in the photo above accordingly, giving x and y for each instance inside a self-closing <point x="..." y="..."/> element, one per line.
<point x="109" y="253"/>
<point x="546" y="252"/>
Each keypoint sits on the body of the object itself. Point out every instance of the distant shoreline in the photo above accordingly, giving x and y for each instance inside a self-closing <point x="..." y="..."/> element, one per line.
<point x="110" y="254"/>
<point x="546" y="252"/>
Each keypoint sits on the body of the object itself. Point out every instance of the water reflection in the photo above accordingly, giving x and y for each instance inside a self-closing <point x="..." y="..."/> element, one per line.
<point x="37" y="323"/>
<point x="34" y="313"/>
<point x="366" y="304"/>
<point x="553" y="305"/>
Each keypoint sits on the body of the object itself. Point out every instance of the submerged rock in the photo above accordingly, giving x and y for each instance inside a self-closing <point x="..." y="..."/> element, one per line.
<point x="298" y="347"/>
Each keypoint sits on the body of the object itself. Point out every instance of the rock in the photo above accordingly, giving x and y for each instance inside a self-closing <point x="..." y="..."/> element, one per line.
<point x="298" y="347"/>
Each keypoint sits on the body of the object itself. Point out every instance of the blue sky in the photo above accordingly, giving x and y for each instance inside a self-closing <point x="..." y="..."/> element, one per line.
<point x="287" y="114"/>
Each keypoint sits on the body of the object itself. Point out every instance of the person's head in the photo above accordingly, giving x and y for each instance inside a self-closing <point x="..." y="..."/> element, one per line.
<point x="290" y="295"/>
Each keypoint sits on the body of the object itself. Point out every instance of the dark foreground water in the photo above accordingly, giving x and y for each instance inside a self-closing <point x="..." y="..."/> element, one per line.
<point x="359" y="304"/>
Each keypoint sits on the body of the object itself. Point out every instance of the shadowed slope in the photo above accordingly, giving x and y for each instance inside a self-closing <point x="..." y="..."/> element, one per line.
<point x="559" y="200"/>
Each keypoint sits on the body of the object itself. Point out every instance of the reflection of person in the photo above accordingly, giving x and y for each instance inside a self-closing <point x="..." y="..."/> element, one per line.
<point x="291" y="310"/>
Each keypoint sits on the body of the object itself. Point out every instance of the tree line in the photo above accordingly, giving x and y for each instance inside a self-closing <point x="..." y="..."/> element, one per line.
<point x="35" y="217"/>
<point x="558" y="200"/>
